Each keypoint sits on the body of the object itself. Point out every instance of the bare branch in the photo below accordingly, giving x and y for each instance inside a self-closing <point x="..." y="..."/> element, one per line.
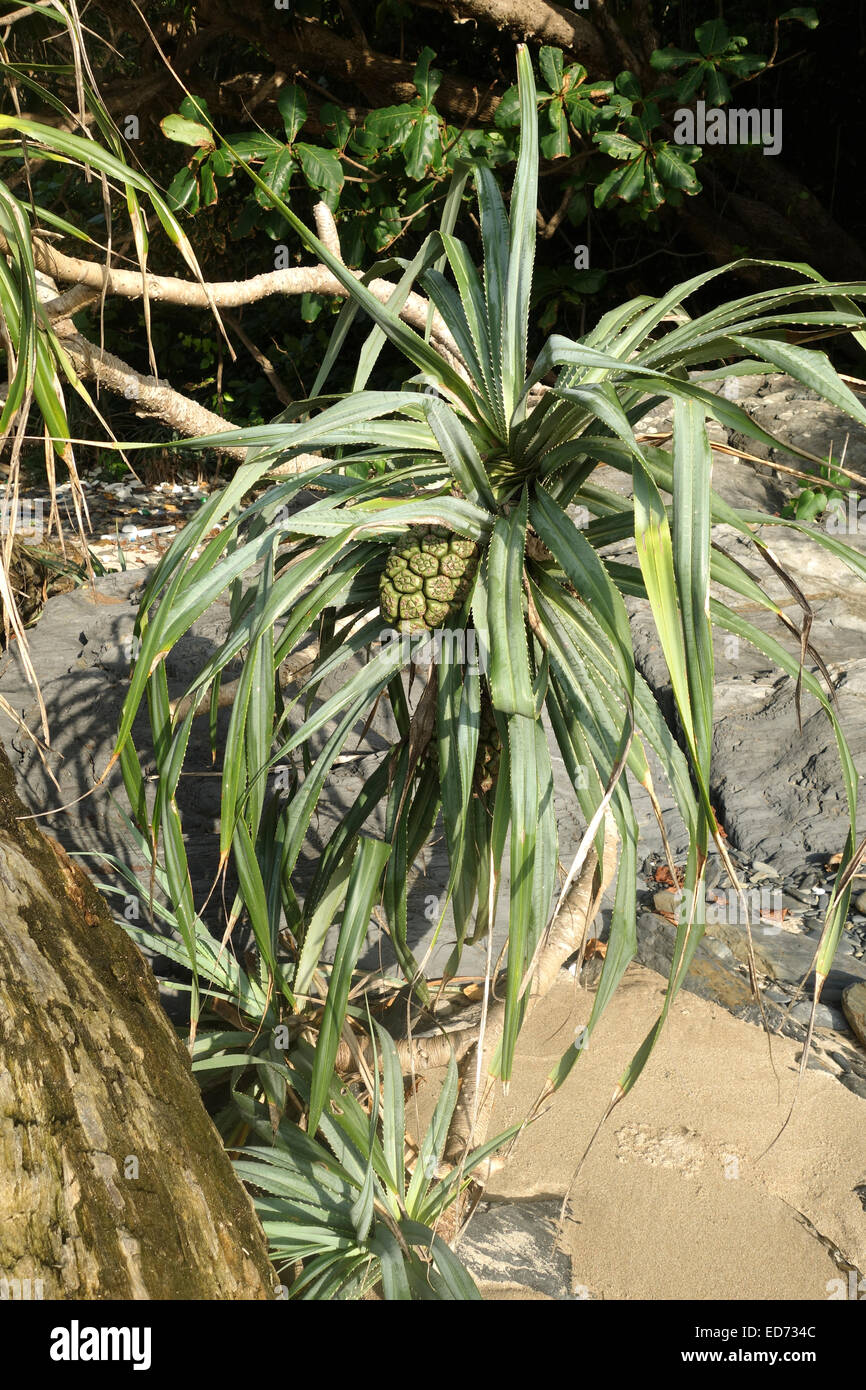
<point x="265" y="364"/>
<point x="535" y="20"/>
<point x="230" y="294"/>
<point x="147" y="394"/>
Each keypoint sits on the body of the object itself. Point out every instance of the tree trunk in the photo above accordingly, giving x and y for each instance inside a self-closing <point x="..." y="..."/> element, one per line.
<point x="113" y="1180"/>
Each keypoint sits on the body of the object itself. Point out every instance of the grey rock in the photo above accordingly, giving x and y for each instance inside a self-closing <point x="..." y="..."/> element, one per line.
<point x="665" y="900"/>
<point x="808" y="879"/>
<point x="816" y="1062"/>
<point x="796" y="898"/>
<point x="839" y="978"/>
<point x="751" y="1013"/>
<point x="825" y="1017"/>
<point x="513" y="1243"/>
<point x="813" y="922"/>
<point x="741" y="483"/>
<point x="719" y="950"/>
<point x="777" y="995"/>
<point x="841" y="1060"/>
<point x="857" y="1084"/>
<point x="854" y="1006"/>
<point x="846" y="947"/>
<point x="760" y="870"/>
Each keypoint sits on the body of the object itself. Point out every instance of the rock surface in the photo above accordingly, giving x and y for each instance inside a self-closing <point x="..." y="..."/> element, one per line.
<point x="513" y="1245"/>
<point x="854" y="1005"/>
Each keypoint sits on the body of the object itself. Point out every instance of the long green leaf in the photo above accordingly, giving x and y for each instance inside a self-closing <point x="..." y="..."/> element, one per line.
<point x="360" y="897"/>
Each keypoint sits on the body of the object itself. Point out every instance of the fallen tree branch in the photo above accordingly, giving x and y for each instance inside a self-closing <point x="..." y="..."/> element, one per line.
<point x="229" y="294"/>
<point x="157" y="399"/>
<point x="148" y="394"/>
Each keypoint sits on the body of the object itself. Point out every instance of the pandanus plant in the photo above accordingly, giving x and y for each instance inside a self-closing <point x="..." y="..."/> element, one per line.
<point x="468" y="501"/>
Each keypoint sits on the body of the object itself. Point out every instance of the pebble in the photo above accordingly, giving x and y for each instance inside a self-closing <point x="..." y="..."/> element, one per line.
<point x="854" y="1007"/>
<point x="860" y="902"/>
<point x="841" y="1060"/>
<point x="762" y="870"/>
<point x="128" y="518"/>
<point x="825" y="1017"/>
<point x="713" y="872"/>
<point x="801" y="892"/>
<point x="857" y="1084"/>
<point x="665" y="900"/>
<point x="798" y="897"/>
<point x="807" y="880"/>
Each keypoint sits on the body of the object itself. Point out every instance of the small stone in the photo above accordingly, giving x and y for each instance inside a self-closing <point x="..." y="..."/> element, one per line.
<point x="854" y="1007"/>
<point x="841" y="1060"/>
<point x="667" y="901"/>
<point x="860" y="902"/>
<point x="760" y="869"/>
<point x="825" y="1017"/>
<point x="807" y="880"/>
<point x="798" y="897"/>
<point x="712" y="873"/>
<point x="857" y="1084"/>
